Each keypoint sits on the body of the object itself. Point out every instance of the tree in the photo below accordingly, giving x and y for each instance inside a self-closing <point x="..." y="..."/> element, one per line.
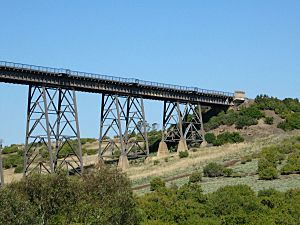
<point x="16" y="209"/>
<point x="102" y="197"/>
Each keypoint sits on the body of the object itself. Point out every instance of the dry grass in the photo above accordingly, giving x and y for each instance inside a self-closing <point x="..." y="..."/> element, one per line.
<point x="174" y="166"/>
<point x="10" y="176"/>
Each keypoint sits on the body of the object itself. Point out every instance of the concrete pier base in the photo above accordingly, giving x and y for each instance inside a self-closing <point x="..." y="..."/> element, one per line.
<point x="148" y="160"/>
<point x="123" y="163"/>
<point x="203" y="144"/>
<point x="162" y="149"/>
<point x="99" y="164"/>
<point x="182" y="146"/>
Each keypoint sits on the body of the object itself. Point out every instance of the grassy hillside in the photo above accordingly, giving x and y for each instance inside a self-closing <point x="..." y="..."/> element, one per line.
<point x="242" y="158"/>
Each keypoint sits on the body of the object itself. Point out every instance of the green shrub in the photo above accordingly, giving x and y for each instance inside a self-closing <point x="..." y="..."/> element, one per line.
<point x="264" y="163"/>
<point x="12" y="161"/>
<point x="92" y="152"/>
<point x="268" y="173"/>
<point x="270" y="158"/>
<point x="21" y="152"/>
<point x="101" y="197"/>
<point x="210" y="138"/>
<point x="291" y="122"/>
<point x="213" y="170"/>
<point x="269" y="120"/>
<point x="68" y="148"/>
<point x="292" y="165"/>
<point x="222" y="118"/>
<point x="229" y="118"/>
<point x="252" y="112"/>
<point x="10" y="149"/>
<point x="244" y="118"/>
<point x="183" y="154"/>
<point x="267" y="170"/>
<point x="89" y="140"/>
<point x="195" y="177"/>
<point x="233" y="200"/>
<point x="44" y="153"/>
<point x="289" y="146"/>
<point x="245" y="121"/>
<point x="281" y="107"/>
<point x="272" y="154"/>
<point x="16" y="209"/>
<point x="227" y="172"/>
<point x="228" y="137"/>
<point x="157" y="183"/>
<point x="117" y="153"/>
<point x="19" y="169"/>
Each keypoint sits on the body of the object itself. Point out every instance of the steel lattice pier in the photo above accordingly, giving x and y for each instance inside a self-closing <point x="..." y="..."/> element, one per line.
<point x="123" y="119"/>
<point x="52" y="131"/>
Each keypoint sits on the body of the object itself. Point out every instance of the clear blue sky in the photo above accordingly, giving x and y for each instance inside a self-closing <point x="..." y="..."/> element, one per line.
<point x="252" y="45"/>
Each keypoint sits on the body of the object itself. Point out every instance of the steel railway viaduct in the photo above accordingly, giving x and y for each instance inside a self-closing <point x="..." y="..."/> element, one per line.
<point x="52" y="118"/>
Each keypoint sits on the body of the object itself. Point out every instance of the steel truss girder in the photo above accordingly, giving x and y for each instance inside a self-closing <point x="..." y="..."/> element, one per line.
<point x="52" y="132"/>
<point x="122" y="118"/>
<point x="182" y="121"/>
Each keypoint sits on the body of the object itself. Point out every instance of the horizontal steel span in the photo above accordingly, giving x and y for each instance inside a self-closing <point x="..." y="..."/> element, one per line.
<point x="17" y="73"/>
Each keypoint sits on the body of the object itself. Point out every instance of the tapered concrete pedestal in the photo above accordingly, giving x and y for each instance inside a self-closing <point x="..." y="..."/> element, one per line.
<point x="203" y="144"/>
<point x="123" y="163"/>
<point x="148" y="160"/>
<point x="182" y="146"/>
<point x="162" y="149"/>
<point x="100" y="163"/>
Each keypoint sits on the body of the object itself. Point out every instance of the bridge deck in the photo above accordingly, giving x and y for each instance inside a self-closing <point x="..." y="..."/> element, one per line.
<point x="88" y="82"/>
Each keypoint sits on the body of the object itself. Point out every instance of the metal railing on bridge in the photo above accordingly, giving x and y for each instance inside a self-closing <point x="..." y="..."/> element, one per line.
<point x="112" y="78"/>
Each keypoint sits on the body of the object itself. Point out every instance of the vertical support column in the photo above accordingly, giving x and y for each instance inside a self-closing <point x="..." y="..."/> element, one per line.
<point x="1" y="166"/>
<point x="123" y="159"/>
<point x="182" y="125"/>
<point x="170" y="130"/>
<point x="52" y="132"/>
<point x="124" y="119"/>
<point x="182" y="146"/>
<point x="136" y="137"/>
<point x="38" y="155"/>
<point x="78" y="133"/>
<point x="111" y="144"/>
<point x="204" y="143"/>
<point x="193" y="124"/>
<point x="68" y="152"/>
<point x="145" y="127"/>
